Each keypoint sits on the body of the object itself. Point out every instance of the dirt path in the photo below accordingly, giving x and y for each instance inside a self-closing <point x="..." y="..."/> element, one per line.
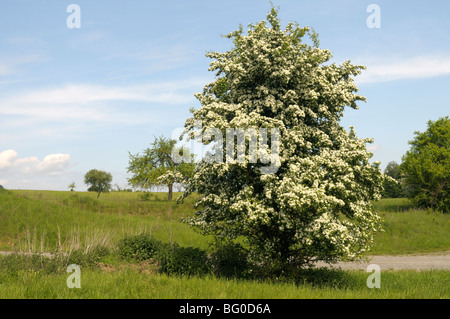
<point x="439" y="260"/>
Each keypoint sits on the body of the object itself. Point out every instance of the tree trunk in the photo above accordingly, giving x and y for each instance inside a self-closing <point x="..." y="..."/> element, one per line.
<point x="170" y="191"/>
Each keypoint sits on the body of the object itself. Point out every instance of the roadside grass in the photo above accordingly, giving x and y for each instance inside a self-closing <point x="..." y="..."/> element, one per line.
<point x="129" y="283"/>
<point x="408" y="230"/>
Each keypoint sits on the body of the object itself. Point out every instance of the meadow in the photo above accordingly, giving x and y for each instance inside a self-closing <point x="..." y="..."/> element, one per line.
<point x="69" y="222"/>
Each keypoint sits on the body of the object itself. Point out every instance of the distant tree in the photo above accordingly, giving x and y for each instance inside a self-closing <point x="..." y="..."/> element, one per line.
<point x="71" y="186"/>
<point x="156" y="166"/>
<point x="98" y="181"/>
<point x="426" y="166"/>
<point x="392" y="187"/>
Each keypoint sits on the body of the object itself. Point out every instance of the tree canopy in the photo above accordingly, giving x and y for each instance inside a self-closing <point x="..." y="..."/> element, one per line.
<point x="98" y="181"/>
<point x="393" y="187"/>
<point x="157" y="165"/>
<point x="317" y="204"/>
<point x="426" y="166"/>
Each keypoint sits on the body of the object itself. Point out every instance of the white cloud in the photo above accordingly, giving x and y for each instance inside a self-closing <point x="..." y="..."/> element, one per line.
<point x="373" y="148"/>
<point x="7" y="158"/>
<point x="93" y="102"/>
<point x="53" y="163"/>
<point x="13" y="167"/>
<point x="390" y="69"/>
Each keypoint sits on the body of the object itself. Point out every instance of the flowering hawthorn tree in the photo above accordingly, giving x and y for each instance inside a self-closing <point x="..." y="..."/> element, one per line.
<point x="317" y="205"/>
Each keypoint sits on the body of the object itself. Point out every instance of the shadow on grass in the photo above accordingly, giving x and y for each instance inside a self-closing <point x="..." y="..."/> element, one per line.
<point x="324" y="277"/>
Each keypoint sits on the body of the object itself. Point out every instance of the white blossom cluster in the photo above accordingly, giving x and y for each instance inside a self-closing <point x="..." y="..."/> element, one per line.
<point x="317" y="206"/>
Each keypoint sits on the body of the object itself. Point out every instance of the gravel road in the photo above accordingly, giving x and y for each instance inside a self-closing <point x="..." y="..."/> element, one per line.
<point x="439" y="260"/>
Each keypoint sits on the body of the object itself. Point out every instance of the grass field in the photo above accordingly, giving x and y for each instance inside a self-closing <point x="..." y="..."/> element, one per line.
<point x="49" y="221"/>
<point x="129" y="283"/>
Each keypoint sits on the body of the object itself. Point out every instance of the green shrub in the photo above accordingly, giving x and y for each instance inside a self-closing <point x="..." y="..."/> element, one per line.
<point x="138" y="247"/>
<point x="230" y="260"/>
<point x="177" y="260"/>
<point x="146" y="196"/>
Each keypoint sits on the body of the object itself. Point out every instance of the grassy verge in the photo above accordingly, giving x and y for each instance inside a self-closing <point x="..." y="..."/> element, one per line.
<point x="131" y="283"/>
<point x="410" y="231"/>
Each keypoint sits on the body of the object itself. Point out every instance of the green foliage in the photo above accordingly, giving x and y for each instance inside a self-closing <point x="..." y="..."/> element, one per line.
<point x="156" y="166"/>
<point x="392" y="187"/>
<point x="133" y="284"/>
<point x="98" y="181"/>
<point x="426" y="166"/>
<point x="139" y="247"/>
<point x="71" y="186"/>
<point x="171" y="258"/>
<point x="18" y="263"/>
<point x="89" y="258"/>
<point x="83" y="202"/>
<point x="176" y="260"/>
<point x="146" y="196"/>
<point x="230" y="260"/>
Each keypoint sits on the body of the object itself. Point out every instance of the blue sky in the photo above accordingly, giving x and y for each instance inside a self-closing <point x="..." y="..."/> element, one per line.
<point x="72" y="99"/>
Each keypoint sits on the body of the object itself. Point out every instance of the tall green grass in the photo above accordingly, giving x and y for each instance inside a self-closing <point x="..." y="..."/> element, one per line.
<point x="62" y="221"/>
<point x="132" y="284"/>
<point x="408" y="230"/>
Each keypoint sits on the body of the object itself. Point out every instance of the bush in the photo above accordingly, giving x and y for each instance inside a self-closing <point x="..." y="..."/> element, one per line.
<point x="146" y="196"/>
<point x="230" y="260"/>
<point x="177" y="260"/>
<point x="139" y="247"/>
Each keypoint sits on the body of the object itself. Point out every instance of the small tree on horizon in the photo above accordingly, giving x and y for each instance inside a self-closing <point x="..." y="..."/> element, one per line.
<point x="71" y="186"/>
<point x="98" y="181"/>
